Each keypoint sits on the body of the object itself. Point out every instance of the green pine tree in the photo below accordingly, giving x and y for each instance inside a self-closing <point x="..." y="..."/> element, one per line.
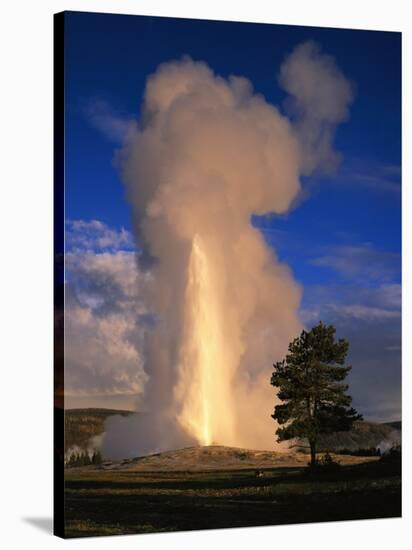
<point x="310" y="385"/>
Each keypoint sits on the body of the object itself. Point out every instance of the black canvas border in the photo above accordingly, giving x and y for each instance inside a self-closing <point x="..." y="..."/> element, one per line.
<point x="58" y="272"/>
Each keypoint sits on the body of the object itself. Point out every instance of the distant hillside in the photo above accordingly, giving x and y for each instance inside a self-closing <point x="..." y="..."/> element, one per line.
<point x="81" y="425"/>
<point x="363" y="435"/>
<point x="397" y="425"/>
<point x="97" y="412"/>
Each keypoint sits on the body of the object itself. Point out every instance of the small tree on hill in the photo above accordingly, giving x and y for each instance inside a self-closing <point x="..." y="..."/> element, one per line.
<point x="97" y="457"/>
<point x="310" y="385"/>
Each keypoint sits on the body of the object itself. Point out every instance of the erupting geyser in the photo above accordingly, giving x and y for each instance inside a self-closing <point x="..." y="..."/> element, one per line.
<point x="206" y="363"/>
<point x="209" y="154"/>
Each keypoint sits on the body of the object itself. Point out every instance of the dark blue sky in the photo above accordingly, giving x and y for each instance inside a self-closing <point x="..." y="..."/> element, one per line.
<point x="342" y="240"/>
<point x="109" y="57"/>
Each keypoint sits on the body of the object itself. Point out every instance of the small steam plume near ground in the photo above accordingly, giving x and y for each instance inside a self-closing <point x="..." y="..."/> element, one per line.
<point x="392" y="441"/>
<point x="93" y="446"/>
<point x="208" y="154"/>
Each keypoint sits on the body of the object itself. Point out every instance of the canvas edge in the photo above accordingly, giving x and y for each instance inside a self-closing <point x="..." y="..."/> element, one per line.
<point x="58" y="273"/>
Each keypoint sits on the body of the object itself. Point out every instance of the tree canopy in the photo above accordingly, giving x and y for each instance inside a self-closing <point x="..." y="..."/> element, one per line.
<point x="311" y="388"/>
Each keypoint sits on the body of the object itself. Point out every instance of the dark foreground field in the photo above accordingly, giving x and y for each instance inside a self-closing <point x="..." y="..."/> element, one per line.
<point x="123" y="502"/>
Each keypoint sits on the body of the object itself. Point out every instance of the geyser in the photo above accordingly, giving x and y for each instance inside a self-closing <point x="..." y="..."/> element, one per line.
<point x="206" y="363"/>
<point x="210" y="153"/>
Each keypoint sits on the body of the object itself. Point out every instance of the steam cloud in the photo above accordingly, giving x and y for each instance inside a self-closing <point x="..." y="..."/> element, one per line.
<point x="319" y="100"/>
<point x="209" y="154"/>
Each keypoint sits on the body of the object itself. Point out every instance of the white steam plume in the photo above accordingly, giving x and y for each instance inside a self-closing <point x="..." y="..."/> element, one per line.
<point x="319" y="99"/>
<point x="208" y="155"/>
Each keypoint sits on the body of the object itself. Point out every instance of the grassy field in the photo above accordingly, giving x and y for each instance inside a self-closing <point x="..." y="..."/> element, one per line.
<point x="123" y="502"/>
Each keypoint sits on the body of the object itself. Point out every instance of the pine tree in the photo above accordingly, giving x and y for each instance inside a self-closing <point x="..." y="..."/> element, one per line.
<point x="97" y="457"/>
<point x="310" y="385"/>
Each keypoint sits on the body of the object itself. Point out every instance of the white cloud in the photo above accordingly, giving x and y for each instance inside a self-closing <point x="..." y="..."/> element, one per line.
<point x="371" y="176"/>
<point x="114" y="126"/>
<point x="96" y="235"/>
<point x="102" y="355"/>
<point x="378" y="183"/>
<point x="370" y="318"/>
<point x="361" y="262"/>
<point x="348" y="302"/>
<point x="365" y="313"/>
<point x="103" y="338"/>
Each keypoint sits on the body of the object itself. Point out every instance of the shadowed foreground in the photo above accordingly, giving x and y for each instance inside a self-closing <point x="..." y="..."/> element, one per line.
<point x="118" y="502"/>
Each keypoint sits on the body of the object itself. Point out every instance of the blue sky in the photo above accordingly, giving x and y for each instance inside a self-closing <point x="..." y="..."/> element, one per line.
<point x="342" y="240"/>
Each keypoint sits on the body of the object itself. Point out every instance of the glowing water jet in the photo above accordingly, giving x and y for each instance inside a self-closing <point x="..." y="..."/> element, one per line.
<point x="205" y="362"/>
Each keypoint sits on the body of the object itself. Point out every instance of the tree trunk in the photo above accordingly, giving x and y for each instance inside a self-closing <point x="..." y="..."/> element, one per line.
<point x="312" y="444"/>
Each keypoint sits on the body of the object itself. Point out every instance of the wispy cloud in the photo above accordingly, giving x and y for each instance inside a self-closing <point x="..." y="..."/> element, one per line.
<point x="372" y="176"/>
<point x="113" y="125"/>
<point x="370" y="318"/>
<point x="368" y="303"/>
<point x="94" y="235"/>
<point x="361" y="263"/>
<point x="376" y="183"/>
